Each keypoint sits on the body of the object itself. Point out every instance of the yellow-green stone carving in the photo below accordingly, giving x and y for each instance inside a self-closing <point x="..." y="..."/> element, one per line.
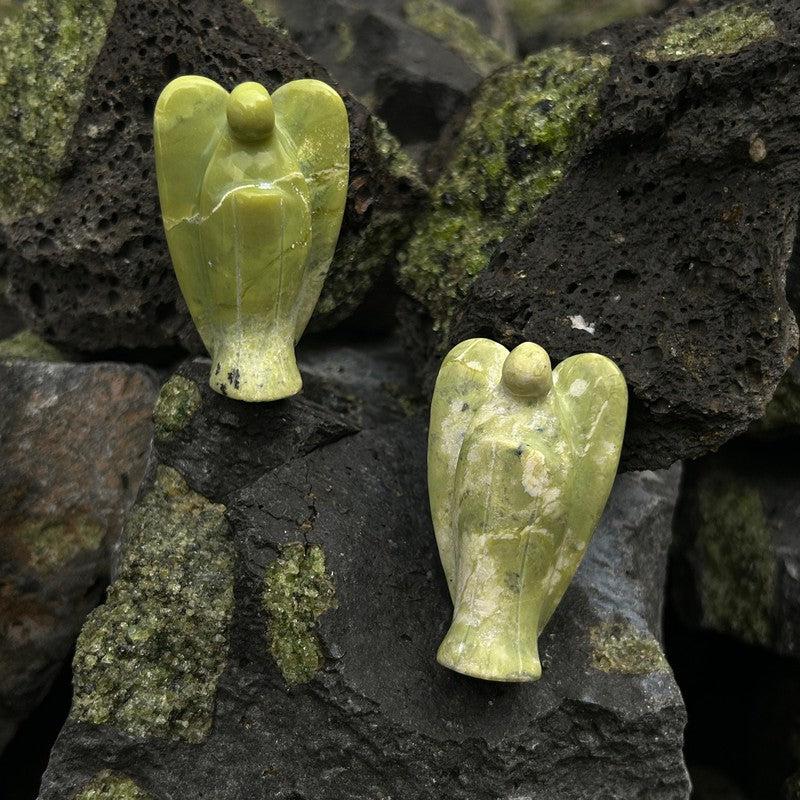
<point x="521" y="460"/>
<point x="252" y="191"/>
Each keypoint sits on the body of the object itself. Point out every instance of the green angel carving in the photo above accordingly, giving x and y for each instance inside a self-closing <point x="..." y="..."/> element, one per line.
<point x="521" y="460"/>
<point x="252" y="191"/>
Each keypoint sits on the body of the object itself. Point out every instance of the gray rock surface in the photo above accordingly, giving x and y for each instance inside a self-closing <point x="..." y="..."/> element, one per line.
<point x="736" y="553"/>
<point x="330" y="689"/>
<point x="74" y="440"/>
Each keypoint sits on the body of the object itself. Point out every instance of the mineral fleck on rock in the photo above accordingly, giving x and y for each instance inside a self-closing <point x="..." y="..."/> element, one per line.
<point x="148" y="661"/>
<point x="297" y="590"/>
<point x="715" y="33"/>
<point x="177" y="402"/>
<point x="28" y="346"/>
<point x="107" y="785"/>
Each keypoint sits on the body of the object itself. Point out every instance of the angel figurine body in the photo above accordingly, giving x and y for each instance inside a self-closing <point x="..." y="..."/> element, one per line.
<point x="252" y="190"/>
<point x="521" y="460"/>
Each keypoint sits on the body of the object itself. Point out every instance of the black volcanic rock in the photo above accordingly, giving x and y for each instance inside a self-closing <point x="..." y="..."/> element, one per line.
<point x="324" y="681"/>
<point x="92" y="270"/>
<point x="637" y="202"/>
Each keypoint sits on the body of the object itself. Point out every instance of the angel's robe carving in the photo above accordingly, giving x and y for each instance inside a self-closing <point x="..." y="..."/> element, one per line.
<point x="521" y="460"/>
<point x="252" y="191"/>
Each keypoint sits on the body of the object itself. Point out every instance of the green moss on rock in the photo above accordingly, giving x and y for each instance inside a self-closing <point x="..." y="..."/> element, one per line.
<point x="107" y="785"/>
<point x="738" y="572"/>
<point x="177" y="403"/>
<point x="568" y="19"/>
<point x="456" y="32"/>
<point x="297" y="591"/>
<point x="51" y="542"/>
<point x="720" y="32"/>
<point x="268" y="13"/>
<point x="46" y="53"/>
<point x="29" y="346"/>
<point x="526" y="126"/>
<point x="619" y="648"/>
<point x="148" y="661"/>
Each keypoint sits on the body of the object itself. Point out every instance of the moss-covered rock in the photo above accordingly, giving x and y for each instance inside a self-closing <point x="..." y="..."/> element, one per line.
<point x="525" y="127"/>
<point x="720" y="32"/>
<point x="739" y="569"/>
<point x="29" y="346"/>
<point x="108" y="785"/>
<point x="46" y="52"/>
<point x="457" y="32"/>
<point x="297" y="591"/>
<point x="177" y="403"/>
<point x="51" y="542"/>
<point x="538" y="23"/>
<point x="148" y="661"/>
<point x="618" y="647"/>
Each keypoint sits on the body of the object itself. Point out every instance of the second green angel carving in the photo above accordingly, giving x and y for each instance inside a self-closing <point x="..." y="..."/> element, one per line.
<point x="252" y="191"/>
<point x="521" y="460"/>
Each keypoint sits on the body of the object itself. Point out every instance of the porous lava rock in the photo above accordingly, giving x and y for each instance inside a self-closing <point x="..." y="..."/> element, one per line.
<point x="736" y="553"/>
<point x="92" y="269"/>
<point x="413" y="62"/>
<point x="630" y="199"/>
<point x="329" y="687"/>
<point x="74" y="440"/>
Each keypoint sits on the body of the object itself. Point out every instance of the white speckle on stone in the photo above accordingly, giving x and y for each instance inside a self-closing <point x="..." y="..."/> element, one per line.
<point x="578" y="387"/>
<point x="535" y="478"/>
<point x="580" y="324"/>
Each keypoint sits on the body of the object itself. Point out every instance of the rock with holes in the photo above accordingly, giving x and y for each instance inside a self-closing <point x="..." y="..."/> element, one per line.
<point x="737" y="551"/>
<point x="625" y="197"/>
<point x="90" y="266"/>
<point x="413" y="62"/>
<point x="74" y="440"/>
<point x="317" y="677"/>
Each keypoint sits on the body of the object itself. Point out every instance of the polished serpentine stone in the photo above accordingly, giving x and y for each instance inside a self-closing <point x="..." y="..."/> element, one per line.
<point x="252" y="191"/>
<point x="521" y="460"/>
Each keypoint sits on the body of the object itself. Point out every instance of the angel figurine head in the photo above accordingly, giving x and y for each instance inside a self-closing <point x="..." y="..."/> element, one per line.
<point x="521" y="460"/>
<point x="252" y="190"/>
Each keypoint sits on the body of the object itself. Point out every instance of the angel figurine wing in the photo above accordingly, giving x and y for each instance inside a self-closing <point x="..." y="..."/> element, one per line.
<point x="469" y="374"/>
<point x="593" y="399"/>
<point x="188" y="123"/>
<point x="314" y="117"/>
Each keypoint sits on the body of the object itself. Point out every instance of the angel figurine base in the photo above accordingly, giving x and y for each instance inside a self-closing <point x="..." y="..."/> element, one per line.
<point x="521" y="460"/>
<point x="252" y="190"/>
